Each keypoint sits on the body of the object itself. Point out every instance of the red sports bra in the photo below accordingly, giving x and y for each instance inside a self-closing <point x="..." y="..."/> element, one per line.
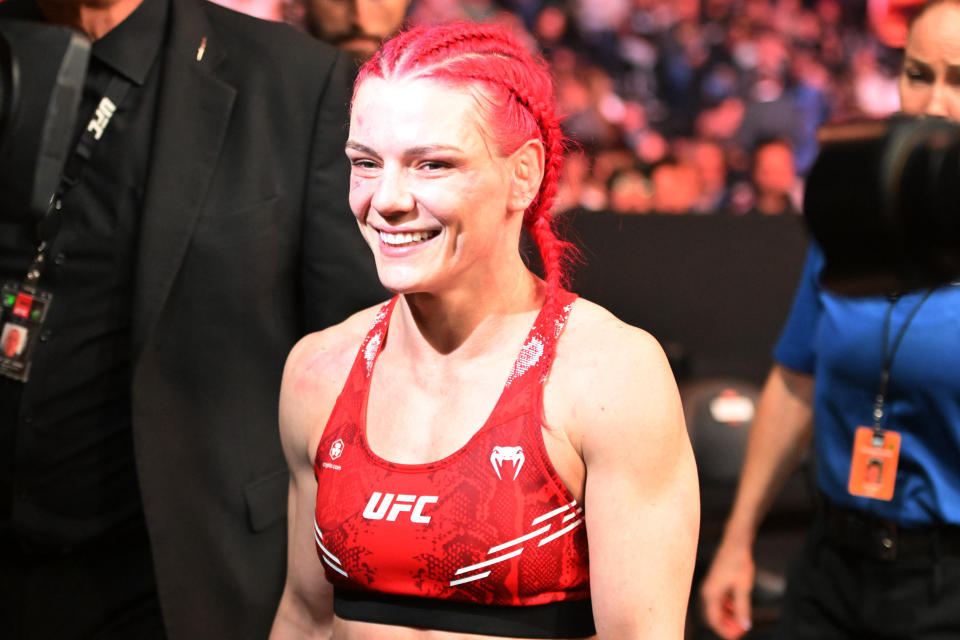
<point x="486" y="540"/>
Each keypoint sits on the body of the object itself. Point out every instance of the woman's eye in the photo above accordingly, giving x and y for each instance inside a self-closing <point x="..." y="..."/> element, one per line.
<point x="363" y="163"/>
<point x="433" y="165"/>
<point x="914" y="75"/>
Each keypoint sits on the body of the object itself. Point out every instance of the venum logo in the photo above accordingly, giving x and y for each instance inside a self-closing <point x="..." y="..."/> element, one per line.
<point x="499" y="455"/>
<point x="376" y="507"/>
<point x="336" y="449"/>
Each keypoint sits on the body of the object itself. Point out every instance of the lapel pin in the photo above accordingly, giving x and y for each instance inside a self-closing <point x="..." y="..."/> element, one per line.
<point x="202" y="49"/>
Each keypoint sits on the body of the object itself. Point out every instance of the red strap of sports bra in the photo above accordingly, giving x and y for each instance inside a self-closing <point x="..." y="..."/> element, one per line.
<point x="370" y="348"/>
<point x="536" y="355"/>
<point x="553" y="321"/>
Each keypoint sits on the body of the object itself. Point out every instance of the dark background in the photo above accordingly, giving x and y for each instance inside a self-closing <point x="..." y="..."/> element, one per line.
<point x="714" y="290"/>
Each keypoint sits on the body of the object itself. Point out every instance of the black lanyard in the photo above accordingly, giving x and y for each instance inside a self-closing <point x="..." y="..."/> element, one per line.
<point x="117" y="90"/>
<point x="889" y="353"/>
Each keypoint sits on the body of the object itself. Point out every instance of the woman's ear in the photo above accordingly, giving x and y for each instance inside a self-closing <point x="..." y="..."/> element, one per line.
<point x="526" y="166"/>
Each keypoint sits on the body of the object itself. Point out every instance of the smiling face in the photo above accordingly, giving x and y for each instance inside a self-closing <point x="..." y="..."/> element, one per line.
<point x="440" y="206"/>
<point x="930" y="79"/>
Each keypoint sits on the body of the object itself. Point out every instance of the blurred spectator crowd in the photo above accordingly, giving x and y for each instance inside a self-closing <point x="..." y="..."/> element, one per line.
<point x="687" y="106"/>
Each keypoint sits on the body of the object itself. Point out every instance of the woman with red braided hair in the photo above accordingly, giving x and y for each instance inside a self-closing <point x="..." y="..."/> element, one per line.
<point x="448" y="479"/>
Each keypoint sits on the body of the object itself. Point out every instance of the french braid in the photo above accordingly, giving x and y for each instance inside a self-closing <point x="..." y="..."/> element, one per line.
<point x="520" y="107"/>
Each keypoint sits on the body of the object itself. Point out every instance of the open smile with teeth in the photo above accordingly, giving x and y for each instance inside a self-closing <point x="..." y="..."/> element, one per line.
<point x="402" y="239"/>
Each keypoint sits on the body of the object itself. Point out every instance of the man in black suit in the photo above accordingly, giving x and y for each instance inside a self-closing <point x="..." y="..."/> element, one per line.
<point x="143" y="492"/>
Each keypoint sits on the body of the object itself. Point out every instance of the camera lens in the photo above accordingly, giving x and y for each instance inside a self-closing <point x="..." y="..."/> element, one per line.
<point x="883" y="201"/>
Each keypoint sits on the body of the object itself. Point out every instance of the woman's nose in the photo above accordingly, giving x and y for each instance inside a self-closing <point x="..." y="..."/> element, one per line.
<point x="393" y="194"/>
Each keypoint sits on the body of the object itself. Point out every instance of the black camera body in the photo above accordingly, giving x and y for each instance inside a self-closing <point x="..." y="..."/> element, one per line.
<point x="883" y="202"/>
<point x="42" y="69"/>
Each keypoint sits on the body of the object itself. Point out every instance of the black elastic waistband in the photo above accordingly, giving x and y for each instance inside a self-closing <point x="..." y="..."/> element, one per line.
<point x="571" y="619"/>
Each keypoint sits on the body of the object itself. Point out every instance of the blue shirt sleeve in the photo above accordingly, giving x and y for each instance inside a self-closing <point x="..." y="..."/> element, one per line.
<point x="795" y="349"/>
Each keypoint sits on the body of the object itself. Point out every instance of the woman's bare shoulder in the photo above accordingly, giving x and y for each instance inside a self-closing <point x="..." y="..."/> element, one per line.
<point x="607" y="368"/>
<point x="316" y="370"/>
<point x="326" y="356"/>
<point x="595" y="338"/>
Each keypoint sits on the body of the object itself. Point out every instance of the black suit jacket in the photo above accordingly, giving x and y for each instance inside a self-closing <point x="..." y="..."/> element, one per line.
<point x="246" y="243"/>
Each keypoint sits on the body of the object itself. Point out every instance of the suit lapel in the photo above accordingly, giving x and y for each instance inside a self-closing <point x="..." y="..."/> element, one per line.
<point x="192" y="116"/>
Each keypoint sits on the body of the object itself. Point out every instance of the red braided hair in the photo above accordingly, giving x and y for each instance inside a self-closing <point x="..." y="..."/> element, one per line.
<point x="515" y="95"/>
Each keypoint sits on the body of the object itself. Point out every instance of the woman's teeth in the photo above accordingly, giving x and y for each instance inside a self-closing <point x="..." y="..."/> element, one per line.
<point x="395" y="239"/>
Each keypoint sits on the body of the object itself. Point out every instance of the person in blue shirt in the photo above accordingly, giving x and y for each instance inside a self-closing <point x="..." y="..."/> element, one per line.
<point x="874" y="565"/>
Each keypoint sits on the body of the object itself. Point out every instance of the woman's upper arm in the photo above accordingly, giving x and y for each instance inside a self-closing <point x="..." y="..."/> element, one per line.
<point x="307" y="394"/>
<point x="642" y="493"/>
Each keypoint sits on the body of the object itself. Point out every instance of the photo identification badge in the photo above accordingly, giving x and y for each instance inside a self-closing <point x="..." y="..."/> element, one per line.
<point x="21" y="316"/>
<point x="873" y="467"/>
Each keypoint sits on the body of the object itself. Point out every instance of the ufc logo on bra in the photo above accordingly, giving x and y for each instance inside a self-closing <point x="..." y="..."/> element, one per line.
<point x="377" y="508"/>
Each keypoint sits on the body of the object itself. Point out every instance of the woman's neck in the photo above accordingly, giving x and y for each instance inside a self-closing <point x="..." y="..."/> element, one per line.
<point x="465" y="320"/>
<point x="95" y="18"/>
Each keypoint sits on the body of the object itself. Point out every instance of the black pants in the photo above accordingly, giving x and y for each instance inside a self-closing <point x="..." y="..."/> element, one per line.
<point x="839" y="590"/>
<point x="103" y="592"/>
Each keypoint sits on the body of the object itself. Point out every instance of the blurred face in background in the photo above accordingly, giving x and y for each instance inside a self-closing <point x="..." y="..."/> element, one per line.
<point x="551" y="24"/>
<point x="356" y="26"/>
<point x="709" y="160"/>
<point x="772" y="55"/>
<point x="675" y="188"/>
<point x="773" y="168"/>
<point x="930" y="78"/>
<point x="630" y="192"/>
<point x="685" y="9"/>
